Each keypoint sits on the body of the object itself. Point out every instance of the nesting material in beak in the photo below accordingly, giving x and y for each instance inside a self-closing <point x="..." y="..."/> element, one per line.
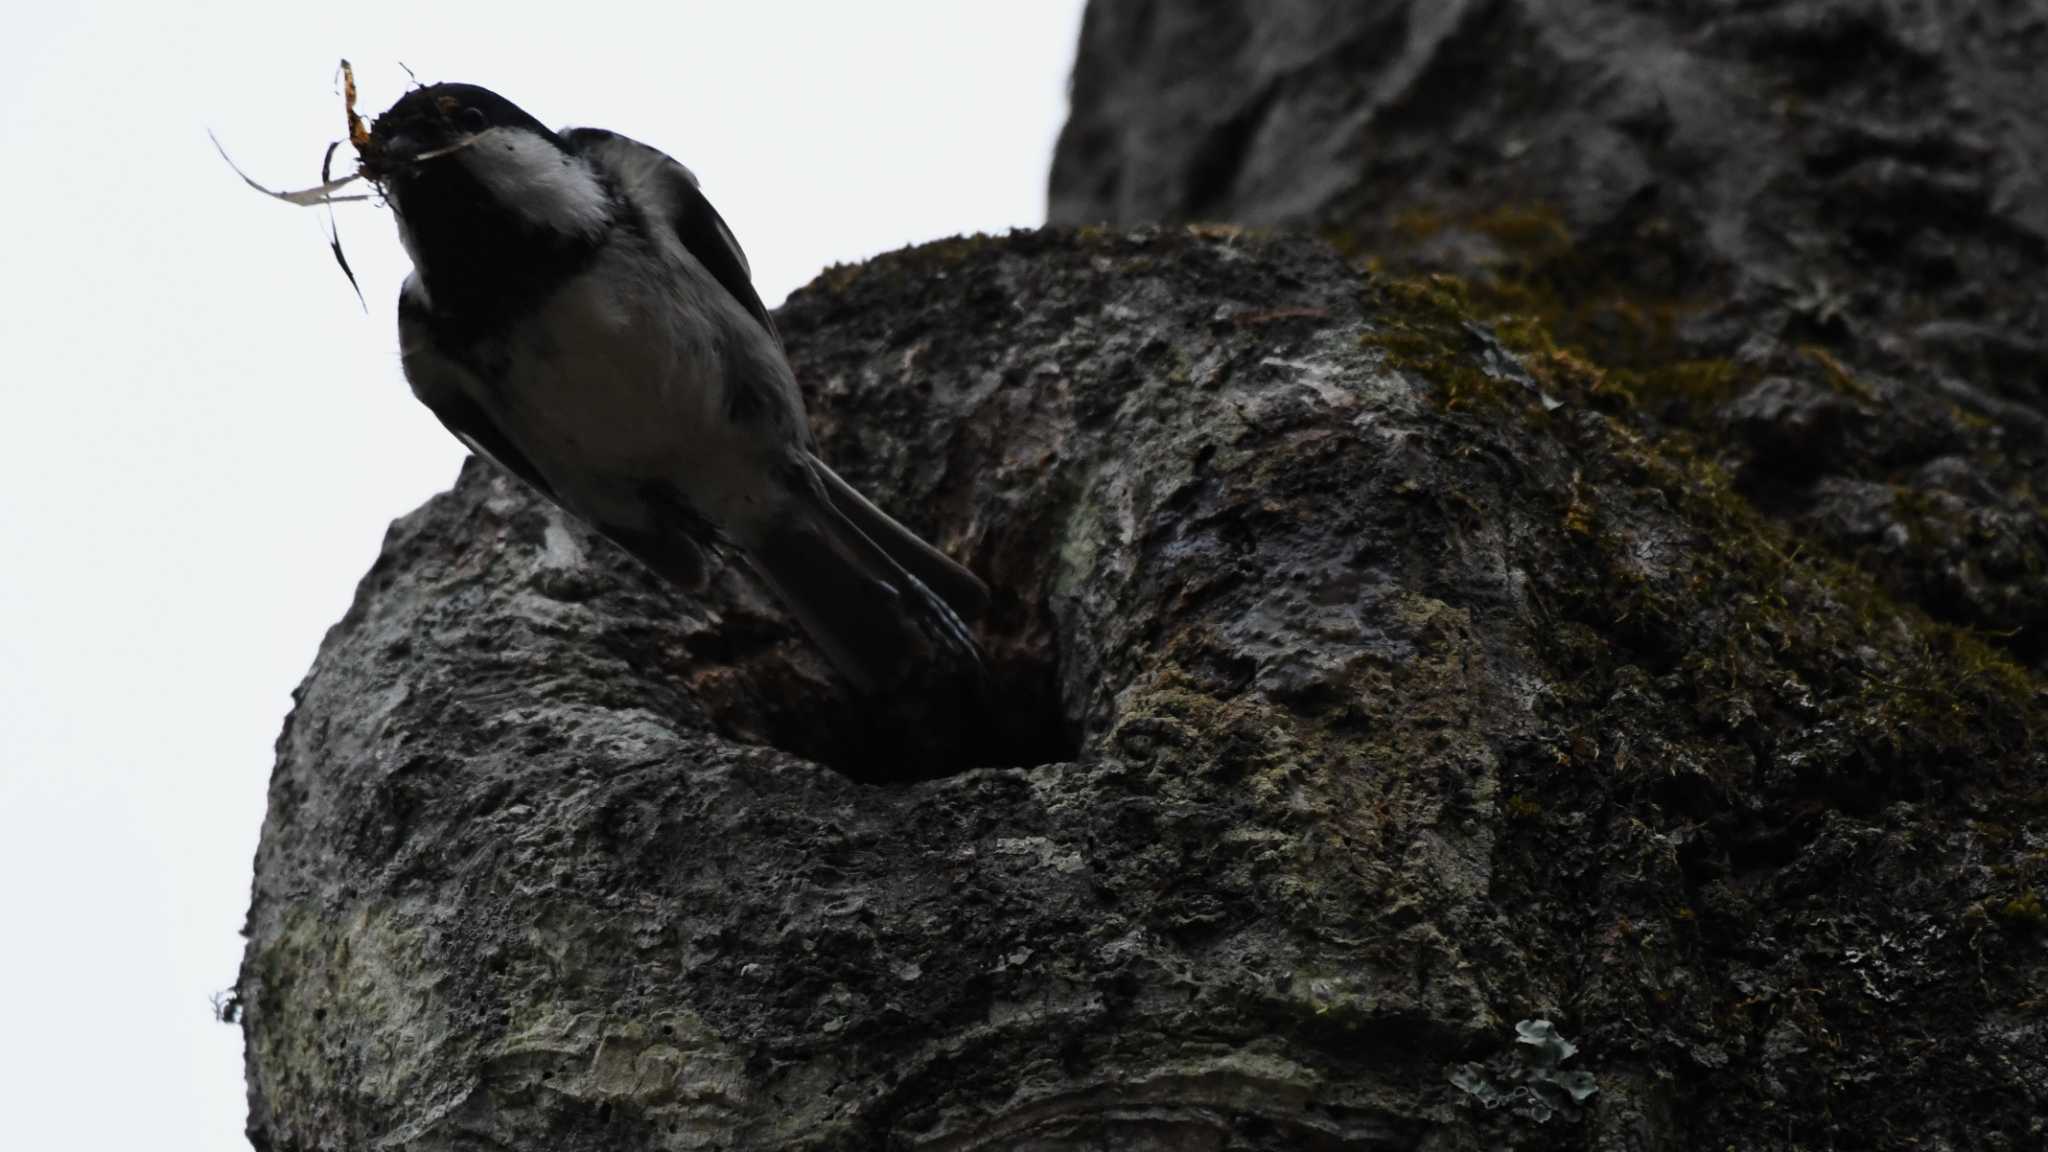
<point x="323" y="193"/>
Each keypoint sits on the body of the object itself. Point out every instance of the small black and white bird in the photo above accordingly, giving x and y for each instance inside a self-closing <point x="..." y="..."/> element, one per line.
<point x="579" y="313"/>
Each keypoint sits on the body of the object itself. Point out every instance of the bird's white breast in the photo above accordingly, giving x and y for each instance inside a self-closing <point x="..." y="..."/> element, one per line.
<point x="618" y="380"/>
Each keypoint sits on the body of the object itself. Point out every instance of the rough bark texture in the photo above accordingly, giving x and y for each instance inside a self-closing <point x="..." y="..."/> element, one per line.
<point x="1811" y="233"/>
<point x="1384" y="669"/>
<point x="1412" y="696"/>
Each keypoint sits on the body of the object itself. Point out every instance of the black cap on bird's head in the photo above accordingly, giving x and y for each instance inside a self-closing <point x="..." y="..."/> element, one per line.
<point x="490" y="202"/>
<point x="431" y="121"/>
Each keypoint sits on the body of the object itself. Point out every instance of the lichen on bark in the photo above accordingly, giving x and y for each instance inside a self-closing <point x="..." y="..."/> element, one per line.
<point x="1597" y="596"/>
<point x="1392" y="721"/>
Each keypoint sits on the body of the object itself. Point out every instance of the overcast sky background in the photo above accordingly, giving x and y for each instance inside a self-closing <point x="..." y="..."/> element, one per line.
<point x="203" y="436"/>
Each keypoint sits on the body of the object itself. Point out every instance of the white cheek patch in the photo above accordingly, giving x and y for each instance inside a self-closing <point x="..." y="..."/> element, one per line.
<point x="537" y="180"/>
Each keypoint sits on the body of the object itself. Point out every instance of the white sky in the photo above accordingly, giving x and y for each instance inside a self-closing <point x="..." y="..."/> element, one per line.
<point x="202" y="436"/>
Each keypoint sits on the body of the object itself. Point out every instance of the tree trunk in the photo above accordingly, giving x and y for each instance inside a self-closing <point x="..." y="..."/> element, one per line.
<point x="1809" y="234"/>
<point x="1409" y="737"/>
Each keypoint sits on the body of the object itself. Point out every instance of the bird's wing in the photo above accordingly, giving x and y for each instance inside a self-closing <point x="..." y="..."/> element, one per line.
<point x="652" y="176"/>
<point x="434" y="382"/>
<point x="674" y="544"/>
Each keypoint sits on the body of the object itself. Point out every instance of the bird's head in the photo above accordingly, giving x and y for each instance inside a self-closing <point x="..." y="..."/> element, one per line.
<point x="473" y="179"/>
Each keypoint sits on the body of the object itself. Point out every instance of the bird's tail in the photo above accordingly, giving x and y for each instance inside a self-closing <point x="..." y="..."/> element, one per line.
<point x="962" y="590"/>
<point x="881" y="626"/>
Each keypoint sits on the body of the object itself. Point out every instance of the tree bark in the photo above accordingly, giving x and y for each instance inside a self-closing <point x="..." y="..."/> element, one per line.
<point x="1432" y="713"/>
<point x="1409" y="695"/>
<point x="1809" y="233"/>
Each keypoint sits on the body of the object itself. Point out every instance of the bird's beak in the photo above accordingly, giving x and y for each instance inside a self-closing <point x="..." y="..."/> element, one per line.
<point x="400" y="153"/>
<point x="389" y="154"/>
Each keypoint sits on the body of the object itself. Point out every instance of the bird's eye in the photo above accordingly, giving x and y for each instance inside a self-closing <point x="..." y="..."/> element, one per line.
<point x="473" y="120"/>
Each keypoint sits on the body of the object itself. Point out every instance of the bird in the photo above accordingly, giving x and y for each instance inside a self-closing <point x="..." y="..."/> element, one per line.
<point x="579" y="313"/>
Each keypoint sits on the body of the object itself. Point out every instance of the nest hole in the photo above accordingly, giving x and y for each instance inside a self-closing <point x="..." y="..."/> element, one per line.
<point x="753" y="677"/>
<point x="728" y="659"/>
<point x="1013" y="718"/>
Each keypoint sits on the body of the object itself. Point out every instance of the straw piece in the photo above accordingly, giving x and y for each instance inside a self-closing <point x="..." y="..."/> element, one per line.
<point x="304" y="197"/>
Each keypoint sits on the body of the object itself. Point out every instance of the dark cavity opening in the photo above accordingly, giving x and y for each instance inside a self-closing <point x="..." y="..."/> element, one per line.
<point x="728" y="660"/>
<point x="1012" y="720"/>
<point x="746" y="672"/>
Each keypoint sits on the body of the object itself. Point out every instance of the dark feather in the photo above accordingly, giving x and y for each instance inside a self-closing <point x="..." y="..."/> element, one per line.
<point x="468" y="421"/>
<point x="879" y="625"/>
<point x="962" y="590"/>
<point x="676" y="549"/>
<point x="696" y="223"/>
<point x="466" y="418"/>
